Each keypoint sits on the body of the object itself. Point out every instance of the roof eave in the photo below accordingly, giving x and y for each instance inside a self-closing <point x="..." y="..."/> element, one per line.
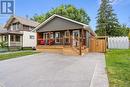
<point x="10" y="19"/>
<point x="90" y="30"/>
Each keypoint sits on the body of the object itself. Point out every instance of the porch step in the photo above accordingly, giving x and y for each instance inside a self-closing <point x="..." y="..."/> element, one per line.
<point x="70" y="51"/>
<point x="49" y="47"/>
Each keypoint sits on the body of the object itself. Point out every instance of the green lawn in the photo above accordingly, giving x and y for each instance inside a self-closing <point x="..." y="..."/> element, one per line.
<point x="16" y="54"/>
<point x="118" y="67"/>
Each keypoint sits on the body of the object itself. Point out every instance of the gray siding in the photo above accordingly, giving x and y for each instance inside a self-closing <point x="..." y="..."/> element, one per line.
<point x="58" y="24"/>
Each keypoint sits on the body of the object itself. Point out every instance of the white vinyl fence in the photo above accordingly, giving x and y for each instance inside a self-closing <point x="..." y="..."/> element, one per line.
<point x="118" y="42"/>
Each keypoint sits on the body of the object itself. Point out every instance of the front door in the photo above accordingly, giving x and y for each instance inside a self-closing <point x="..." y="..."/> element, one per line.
<point x="76" y="38"/>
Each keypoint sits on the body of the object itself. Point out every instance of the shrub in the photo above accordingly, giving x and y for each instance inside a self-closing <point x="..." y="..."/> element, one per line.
<point x="3" y="44"/>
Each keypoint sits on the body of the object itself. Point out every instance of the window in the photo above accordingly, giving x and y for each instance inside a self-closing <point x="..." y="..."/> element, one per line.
<point x="44" y="36"/>
<point x="14" y="26"/>
<point x="51" y="36"/>
<point x="17" y="38"/>
<point x="25" y="27"/>
<point x="76" y="35"/>
<point x="18" y="26"/>
<point x="67" y="33"/>
<point x="57" y="37"/>
<point x="67" y="37"/>
<point x="4" y="38"/>
<point x="32" y="37"/>
<point x="11" y="38"/>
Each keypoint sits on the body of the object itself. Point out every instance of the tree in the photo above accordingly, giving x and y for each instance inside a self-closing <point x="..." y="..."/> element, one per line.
<point x="122" y="31"/>
<point x="107" y="22"/>
<point x="68" y="11"/>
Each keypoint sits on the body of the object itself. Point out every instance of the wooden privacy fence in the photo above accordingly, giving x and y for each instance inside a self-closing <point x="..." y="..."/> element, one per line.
<point x="118" y="42"/>
<point x="98" y="44"/>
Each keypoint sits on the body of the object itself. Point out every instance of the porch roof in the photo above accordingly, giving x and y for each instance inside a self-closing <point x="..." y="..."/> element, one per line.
<point x="2" y="31"/>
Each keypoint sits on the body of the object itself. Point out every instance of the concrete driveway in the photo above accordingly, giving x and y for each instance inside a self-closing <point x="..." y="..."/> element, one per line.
<point x="54" y="70"/>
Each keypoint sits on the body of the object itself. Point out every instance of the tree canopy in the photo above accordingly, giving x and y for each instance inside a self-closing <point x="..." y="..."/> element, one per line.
<point x="107" y="22"/>
<point x="68" y="11"/>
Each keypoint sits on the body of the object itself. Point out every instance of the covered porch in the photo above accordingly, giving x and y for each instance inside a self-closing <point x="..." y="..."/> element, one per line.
<point x="77" y="40"/>
<point x="13" y="40"/>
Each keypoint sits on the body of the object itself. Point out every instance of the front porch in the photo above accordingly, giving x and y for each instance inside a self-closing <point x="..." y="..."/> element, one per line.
<point x="12" y="41"/>
<point x="66" y="42"/>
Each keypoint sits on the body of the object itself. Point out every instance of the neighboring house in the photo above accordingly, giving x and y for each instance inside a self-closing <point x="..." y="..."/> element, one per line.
<point x="18" y="33"/>
<point x="63" y="35"/>
<point x="1" y="30"/>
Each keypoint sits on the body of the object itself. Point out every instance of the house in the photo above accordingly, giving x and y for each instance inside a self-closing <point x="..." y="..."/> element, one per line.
<point x="1" y="28"/>
<point x="63" y="35"/>
<point x="17" y="33"/>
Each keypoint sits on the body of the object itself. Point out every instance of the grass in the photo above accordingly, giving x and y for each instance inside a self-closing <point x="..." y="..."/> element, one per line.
<point x="118" y="67"/>
<point x="16" y="54"/>
<point x="27" y="48"/>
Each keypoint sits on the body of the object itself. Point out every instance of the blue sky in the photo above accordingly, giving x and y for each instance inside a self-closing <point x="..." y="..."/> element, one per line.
<point x="31" y="7"/>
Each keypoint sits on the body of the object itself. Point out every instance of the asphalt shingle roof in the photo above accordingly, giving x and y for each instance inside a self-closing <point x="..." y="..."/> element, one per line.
<point x="23" y="21"/>
<point x="26" y="21"/>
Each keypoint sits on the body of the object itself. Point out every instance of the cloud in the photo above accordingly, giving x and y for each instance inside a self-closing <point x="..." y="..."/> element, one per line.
<point x="113" y="2"/>
<point x="99" y="2"/>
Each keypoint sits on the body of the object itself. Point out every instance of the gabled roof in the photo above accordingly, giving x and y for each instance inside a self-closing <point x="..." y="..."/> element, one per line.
<point x="2" y="30"/>
<point x="1" y="27"/>
<point x="23" y="21"/>
<point x="53" y="16"/>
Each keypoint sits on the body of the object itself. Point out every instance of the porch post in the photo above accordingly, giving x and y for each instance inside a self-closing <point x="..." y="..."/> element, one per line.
<point x="81" y="41"/>
<point x="63" y="38"/>
<point x="1" y="38"/>
<point x="8" y="40"/>
<point x="21" y="40"/>
<point x="69" y="38"/>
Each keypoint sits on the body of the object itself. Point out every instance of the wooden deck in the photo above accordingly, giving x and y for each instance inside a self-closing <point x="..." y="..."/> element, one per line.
<point x="67" y="49"/>
<point x="50" y="46"/>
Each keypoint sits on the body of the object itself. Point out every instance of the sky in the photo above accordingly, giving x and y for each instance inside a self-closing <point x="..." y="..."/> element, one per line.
<point x="32" y="7"/>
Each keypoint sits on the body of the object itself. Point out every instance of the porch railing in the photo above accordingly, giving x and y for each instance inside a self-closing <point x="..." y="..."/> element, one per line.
<point x="15" y="43"/>
<point x="78" y="45"/>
